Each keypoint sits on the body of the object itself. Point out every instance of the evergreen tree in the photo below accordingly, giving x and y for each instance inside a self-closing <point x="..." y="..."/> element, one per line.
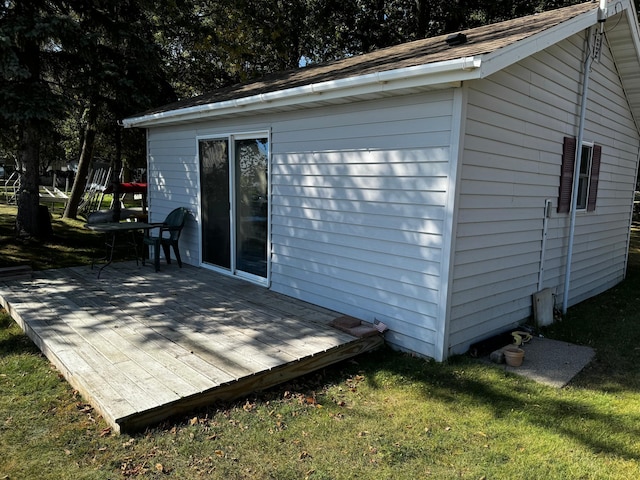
<point x="29" y="104"/>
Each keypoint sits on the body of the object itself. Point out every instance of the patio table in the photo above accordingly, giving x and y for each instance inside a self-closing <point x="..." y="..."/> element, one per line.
<point x="111" y="231"/>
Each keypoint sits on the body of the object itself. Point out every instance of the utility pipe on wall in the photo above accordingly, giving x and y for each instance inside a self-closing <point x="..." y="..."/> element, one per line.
<point x="576" y="168"/>
<point x="545" y="228"/>
<point x="602" y="17"/>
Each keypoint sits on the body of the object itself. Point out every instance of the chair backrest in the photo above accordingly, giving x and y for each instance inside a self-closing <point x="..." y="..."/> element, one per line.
<point x="175" y="220"/>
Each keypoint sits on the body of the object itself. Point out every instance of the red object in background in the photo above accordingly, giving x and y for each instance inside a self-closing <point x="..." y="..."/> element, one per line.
<point x="131" y="187"/>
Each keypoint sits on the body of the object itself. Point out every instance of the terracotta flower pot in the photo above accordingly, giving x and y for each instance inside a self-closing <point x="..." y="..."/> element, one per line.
<point x="513" y="356"/>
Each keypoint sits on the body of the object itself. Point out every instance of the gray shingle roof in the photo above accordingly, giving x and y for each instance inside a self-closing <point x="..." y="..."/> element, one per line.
<point x="481" y="40"/>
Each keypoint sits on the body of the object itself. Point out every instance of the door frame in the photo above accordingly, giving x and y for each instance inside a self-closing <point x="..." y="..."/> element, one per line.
<point x="233" y="271"/>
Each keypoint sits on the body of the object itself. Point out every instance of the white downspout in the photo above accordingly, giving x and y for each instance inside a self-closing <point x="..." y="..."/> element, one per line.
<point x="576" y="170"/>
<point x="602" y="17"/>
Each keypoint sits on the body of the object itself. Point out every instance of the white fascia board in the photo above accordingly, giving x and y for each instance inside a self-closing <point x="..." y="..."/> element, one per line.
<point x="632" y="21"/>
<point x="450" y="72"/>
<point x="504" y="57"/>
<point x="629" y="70"/>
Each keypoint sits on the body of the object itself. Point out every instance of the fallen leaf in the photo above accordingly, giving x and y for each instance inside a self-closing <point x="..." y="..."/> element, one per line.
<point x="219" y="453"/>
<point x="193" y="421"/>
<point x="304" y="455"/>
<point x="159" y="467"/>
<point x="84" y="408"/>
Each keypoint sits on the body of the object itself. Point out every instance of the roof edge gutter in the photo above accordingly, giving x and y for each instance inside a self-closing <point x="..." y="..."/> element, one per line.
<point x="463" y="68"/>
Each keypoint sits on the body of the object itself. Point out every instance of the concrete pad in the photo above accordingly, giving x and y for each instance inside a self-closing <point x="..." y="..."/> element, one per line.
<point x="552" y="362"/>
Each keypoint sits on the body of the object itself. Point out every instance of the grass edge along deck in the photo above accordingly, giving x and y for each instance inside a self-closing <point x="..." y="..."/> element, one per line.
<point x="251" y="383"/>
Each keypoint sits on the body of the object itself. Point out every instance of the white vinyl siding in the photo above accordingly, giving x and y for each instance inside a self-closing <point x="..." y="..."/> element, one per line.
<point x="172" y="176"/>
<point x="358" y="205"/>
<point x="358" y="209"/>
<point x="517" y="119"/>
<point x="363" y="205"/>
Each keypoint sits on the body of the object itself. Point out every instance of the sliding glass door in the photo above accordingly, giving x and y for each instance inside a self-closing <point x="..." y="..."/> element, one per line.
<point x="214" y="194"/>
<point x="234" y="191"/>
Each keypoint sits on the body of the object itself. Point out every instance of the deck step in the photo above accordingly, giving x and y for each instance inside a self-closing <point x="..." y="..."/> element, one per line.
<point x="354" y="326"/>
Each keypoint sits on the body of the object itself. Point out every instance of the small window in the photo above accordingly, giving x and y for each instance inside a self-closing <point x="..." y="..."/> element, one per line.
<point x="584" y="173"/>
<point x="588" y="172"/>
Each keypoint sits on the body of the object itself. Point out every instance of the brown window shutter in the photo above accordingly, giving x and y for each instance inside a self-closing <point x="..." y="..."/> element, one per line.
<point x="595" y="175"/>
<point x="566" y="174"/>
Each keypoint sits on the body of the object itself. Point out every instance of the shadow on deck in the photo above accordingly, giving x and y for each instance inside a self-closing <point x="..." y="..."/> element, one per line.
<point x="142" y="346"/>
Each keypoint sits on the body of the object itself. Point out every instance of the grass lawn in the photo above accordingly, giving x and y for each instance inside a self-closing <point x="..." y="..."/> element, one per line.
<point x="385" y="415"/>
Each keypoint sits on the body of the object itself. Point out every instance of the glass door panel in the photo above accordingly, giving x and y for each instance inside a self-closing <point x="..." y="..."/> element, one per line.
<point x="214" y="191"/>
<point x="234" y="189"/>
<point x="251" y="201"/>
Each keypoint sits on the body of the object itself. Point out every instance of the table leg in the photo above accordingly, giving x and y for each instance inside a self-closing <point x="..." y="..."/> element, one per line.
<point x="108" y="252"/>
<point x="110" y="247"/>
<point x="134" y="242"/>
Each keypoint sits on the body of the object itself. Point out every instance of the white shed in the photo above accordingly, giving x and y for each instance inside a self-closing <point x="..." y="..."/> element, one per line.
<point x="420" y="184"/>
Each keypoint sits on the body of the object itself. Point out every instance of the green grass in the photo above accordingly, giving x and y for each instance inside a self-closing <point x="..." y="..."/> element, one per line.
<point x="384" y="415"/>
<point x="70" y="245"/>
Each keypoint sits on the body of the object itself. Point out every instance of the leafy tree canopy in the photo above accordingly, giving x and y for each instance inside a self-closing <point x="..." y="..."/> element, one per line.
<point x="70" y="69"/>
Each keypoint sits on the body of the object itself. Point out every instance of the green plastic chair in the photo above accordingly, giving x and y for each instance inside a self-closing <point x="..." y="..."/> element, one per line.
<point x="167" y="235"/>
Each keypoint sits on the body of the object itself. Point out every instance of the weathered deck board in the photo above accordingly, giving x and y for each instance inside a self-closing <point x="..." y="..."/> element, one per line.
<point x="141" y="346"/>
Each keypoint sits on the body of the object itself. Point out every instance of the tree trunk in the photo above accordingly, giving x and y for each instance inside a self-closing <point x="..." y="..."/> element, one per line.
<point x="28" y="220"/>
<point x="86" y="155"/>
<point x="423" y="12"/>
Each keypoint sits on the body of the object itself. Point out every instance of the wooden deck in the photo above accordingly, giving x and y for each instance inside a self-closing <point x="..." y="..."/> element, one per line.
<point x="141" y="346"/>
